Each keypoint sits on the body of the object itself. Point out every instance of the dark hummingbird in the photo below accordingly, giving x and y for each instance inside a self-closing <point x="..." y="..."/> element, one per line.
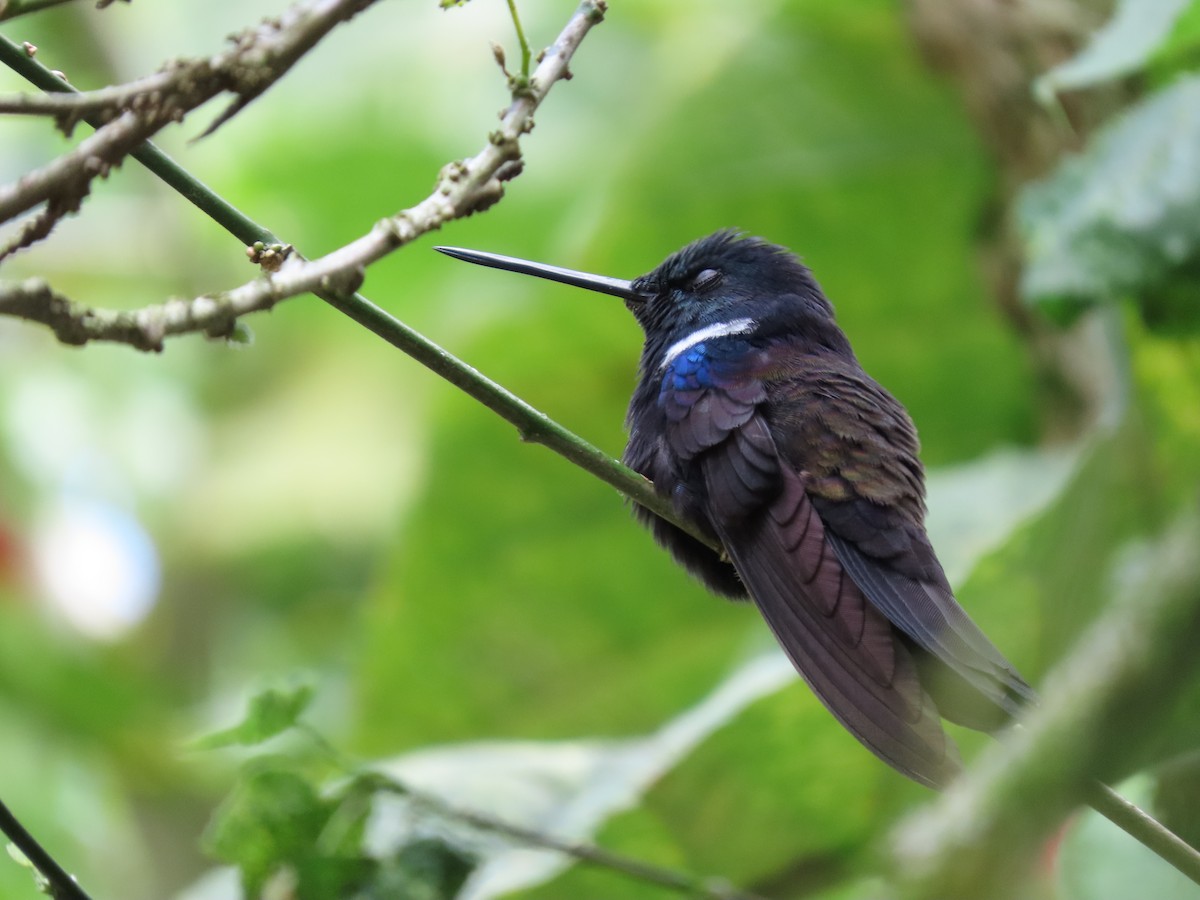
<point x="753" y="415"/>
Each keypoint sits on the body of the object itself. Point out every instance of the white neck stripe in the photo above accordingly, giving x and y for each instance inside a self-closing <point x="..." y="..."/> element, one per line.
<point x="716" y="330"/>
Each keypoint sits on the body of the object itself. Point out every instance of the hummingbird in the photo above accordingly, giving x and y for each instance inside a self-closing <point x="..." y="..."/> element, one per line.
<point x="752" y="414"/>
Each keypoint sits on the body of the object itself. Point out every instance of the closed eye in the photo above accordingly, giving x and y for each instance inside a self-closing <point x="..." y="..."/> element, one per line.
<point x="705" y="279"/>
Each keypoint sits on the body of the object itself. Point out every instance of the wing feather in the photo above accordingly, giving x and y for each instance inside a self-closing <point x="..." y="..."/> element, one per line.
<point x="842" y="646"/>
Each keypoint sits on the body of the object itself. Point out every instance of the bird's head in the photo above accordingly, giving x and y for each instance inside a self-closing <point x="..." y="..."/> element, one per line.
<point x="723" y="277"/>
<point x="720" y="279"/>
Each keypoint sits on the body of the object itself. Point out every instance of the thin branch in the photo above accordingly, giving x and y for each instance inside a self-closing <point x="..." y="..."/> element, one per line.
<point x="259" y="57"/>
<point x="973" y="841"/>
<point x="34" y="301"/>
<point x="532" y="424"/>
<point x="59" y="884"/>
<point x="526" y="56"/>
<point x="81" y="103"/>
<point x="670" y="879"/>
<point x="68" y="177"/>
<point x="463" y="188"/>
<point x="1151" y="833"/>
<point x="260" y="63"/>
<point x="372" y="781"/>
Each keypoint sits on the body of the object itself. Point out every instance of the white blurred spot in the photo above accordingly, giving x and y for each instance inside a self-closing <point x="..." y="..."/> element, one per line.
<point x="96" y="566"/>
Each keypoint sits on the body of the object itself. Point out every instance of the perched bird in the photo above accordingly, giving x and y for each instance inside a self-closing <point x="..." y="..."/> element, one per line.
<point x="752" y="414"/>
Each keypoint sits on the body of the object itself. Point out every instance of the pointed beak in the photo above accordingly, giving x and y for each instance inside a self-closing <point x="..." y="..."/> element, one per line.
<point x="615" y="286"/>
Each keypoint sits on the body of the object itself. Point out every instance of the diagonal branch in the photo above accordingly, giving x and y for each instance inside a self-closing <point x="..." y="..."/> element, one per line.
<point x="464" y="187"/>
<point x="59" y="884"/>
<point x="67" y="178"/>
<point x="81" y="103"/>
<point x="126" y="116"/>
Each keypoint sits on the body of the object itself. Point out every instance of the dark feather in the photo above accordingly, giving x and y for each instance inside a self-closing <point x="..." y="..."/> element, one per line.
<point x="842" y="646"/>
<point x="930" y="616"/>
<point x="860" y="449"/>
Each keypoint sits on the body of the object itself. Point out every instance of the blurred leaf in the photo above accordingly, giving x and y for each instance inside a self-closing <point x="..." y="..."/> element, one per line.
<point x="275" y="821"/>
<point x="1136" y="31"/>
<point x="425" y="869"/>
<point x="566" y="789"/>
<point x="1185" y="39"/>
<point x="1120" y="219"/>
<point x="270" y="712"/>
<point x="271" y="818"/>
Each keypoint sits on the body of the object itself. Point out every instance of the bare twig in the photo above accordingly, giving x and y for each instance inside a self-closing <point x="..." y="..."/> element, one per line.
<point x="257" y="63"/>
<point x="34" y="301"/>
<point x="463" y="188"/>
<point x="258" y="58"/>
<point x="670" y="879"/>
<point x="80" y="103"/>
<point x="66" y="180"/>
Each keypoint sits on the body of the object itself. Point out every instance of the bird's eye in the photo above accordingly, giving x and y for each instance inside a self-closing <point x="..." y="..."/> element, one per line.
<point x="706" y="279"/>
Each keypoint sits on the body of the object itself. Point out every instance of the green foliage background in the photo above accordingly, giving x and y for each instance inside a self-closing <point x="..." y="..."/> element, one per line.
<point x="331" y="508"/>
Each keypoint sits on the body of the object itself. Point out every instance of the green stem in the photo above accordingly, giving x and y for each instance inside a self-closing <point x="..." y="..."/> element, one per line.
<point x="533" y="424"/>
<point x="1151" y="833"/>
<point x="526" y="56"/>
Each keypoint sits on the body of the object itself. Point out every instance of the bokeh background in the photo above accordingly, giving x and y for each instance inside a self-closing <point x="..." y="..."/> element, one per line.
<point x="180" y="531"/>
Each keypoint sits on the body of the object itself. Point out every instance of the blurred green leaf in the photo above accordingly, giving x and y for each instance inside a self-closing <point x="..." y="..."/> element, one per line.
<point x="1121" y="218"/>
<point x="425" y="869"/>
<point x="273" y="817"/>
<point x="269" y="713"/>
<point x="1126" y="43"/>
<point x="276" y="824"/>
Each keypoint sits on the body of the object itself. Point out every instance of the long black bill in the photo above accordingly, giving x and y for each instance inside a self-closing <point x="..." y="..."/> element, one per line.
<point x="617" y="287"/>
